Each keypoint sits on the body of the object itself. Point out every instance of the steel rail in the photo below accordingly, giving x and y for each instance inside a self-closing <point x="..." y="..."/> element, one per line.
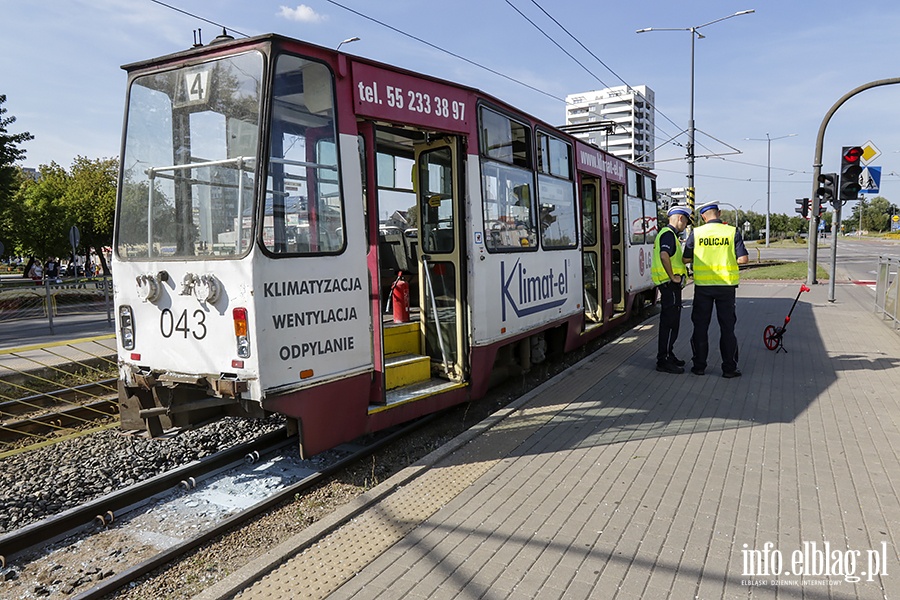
<point x="120" y="580"/>
<point x="41" y="426"/>
<point x="82" y="516"/>
<point x="67" y="395"/>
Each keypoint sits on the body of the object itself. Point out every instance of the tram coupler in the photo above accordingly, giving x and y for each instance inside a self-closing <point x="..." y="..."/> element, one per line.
<point x="773" y="337"/>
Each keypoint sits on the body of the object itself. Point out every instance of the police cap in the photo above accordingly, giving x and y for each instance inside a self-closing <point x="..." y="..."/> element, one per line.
<point x="708" y="206"/>
<point x="679" y="210"/>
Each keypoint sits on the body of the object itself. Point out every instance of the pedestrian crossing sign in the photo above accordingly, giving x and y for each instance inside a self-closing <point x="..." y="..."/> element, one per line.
<point x="870" y="180"/>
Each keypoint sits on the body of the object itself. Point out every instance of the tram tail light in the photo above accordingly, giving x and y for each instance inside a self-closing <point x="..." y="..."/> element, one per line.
<point x="126" y="327"/>
<point x="240" y="332"/>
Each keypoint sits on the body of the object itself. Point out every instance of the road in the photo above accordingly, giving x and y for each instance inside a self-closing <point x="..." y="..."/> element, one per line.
<point x="857" y="259"/>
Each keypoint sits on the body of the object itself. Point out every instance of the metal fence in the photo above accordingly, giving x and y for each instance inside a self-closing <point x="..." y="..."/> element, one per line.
<point x="28" y="300"/>
<point x="887" y="289"/>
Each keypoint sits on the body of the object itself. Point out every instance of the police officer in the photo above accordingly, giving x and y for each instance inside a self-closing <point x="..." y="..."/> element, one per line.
<point x="668" y="272"/>
<point x="716" y="250"/>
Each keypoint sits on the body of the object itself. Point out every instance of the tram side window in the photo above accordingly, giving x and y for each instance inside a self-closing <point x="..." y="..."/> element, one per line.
<point x="304" y="211"/>
<point x="556" y="193"/>
<point x="507" y="183"/>
<point x="651" y="209"/>
<point x="636" y="218"/>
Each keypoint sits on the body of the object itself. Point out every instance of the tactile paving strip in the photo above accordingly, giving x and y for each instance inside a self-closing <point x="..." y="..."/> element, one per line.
<point x="322" y="568"/>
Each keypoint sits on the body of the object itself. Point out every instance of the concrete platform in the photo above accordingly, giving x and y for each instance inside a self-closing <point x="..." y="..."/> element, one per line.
<point x="615" y="481"/>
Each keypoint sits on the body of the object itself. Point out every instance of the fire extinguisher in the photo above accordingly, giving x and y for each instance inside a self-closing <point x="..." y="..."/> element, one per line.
<point x="400" y="299"/>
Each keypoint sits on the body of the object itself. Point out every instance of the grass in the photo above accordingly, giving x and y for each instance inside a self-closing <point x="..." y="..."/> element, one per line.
<point x="791" y="270"/>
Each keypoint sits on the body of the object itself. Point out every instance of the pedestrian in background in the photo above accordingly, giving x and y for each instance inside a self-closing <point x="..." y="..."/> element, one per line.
<point x="668" y="273"/>
<point x="716" y="250"/>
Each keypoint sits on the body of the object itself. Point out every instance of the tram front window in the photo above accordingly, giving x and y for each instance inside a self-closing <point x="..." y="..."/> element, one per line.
<point x="189" y="161"/>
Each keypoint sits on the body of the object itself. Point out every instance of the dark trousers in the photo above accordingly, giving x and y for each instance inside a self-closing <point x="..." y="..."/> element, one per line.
<point x="723" y="298"/>
<point x="669" y="319"/>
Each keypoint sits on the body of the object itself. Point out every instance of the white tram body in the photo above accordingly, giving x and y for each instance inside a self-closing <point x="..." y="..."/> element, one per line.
<point x="273" y="193"/>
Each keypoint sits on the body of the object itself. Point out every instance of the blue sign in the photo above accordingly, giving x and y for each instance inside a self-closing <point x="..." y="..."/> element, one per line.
<point x="870" y="180"/>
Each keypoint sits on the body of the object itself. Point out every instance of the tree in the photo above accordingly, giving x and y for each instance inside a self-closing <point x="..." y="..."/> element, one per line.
<point x="876" y="215"/>
<point x="90" y="202"/>
<point x="39" y="213"/>
<point x="10" y="176"/>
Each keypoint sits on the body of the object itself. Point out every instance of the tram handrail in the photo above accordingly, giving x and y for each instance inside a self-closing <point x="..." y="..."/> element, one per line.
<point x="238" y="160"/>
<point x="437" y="318"/>
<point x="302" y="163"/>
<point x="151" y="175"/>
<point x="887" y="289"/>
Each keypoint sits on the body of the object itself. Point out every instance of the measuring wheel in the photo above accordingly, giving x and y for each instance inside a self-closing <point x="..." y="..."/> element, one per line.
<point x="772" y="337"/>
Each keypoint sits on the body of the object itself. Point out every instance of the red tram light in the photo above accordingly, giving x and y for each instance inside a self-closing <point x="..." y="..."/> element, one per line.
<point x="240" y="332"/>
<point x="240" y="321"/>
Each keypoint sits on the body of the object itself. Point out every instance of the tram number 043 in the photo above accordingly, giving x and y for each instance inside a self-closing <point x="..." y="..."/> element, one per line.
<point x="195" y="324"/>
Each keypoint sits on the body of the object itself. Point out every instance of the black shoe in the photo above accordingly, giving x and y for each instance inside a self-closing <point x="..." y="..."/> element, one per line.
<point x="731" y="374"/>
<point x="698" y="371"/>
<point x="675" y="360"/>
<point x="667" y="367"/>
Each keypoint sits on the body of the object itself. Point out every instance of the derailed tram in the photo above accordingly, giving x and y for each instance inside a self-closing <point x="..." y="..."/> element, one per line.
<point x="278" y="204"/>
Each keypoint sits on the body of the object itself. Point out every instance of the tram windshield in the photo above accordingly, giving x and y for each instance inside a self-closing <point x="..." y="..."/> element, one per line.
<point x="189" y="161"/>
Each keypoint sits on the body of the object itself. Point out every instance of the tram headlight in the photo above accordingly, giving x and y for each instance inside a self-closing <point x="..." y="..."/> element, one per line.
<point x="241" y="332"/>
<point x="126" y="327"/>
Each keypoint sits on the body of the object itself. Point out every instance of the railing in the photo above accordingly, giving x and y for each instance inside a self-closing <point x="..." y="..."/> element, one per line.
<point x="887" y="289"/>
<point x="23" y="299"/>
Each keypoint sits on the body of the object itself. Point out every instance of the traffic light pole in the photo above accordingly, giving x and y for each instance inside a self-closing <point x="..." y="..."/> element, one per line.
<point x="835" y="230"/>
<point x="817" y="170"/>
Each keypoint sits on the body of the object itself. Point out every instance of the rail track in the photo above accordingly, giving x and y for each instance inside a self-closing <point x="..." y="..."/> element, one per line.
<point x="54" y="414"/>
<point x="114" y="513"/>
<point x="48" y="392"/>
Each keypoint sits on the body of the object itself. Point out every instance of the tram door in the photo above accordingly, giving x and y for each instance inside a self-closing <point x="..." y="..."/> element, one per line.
<point x="591" y="265"/>
<point x="617" y="246"/>
<point x="441" y="261"/>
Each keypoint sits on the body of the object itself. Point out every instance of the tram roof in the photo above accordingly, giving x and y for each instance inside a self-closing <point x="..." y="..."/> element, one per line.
<point x="215" y="48"/>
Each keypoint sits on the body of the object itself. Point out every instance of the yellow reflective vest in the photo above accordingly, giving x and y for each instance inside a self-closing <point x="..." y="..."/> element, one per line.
<point x="715" y="261"/>
<point x="657" y="272"/>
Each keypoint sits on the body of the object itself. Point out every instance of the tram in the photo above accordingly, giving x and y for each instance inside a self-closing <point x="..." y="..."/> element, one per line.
<point x="274" y="195"/>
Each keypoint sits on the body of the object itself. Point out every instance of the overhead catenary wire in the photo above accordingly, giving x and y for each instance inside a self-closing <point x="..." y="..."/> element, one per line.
<point x="444" y="50"/>
<point x="192" y="15"/>
<point x="475" y="63"/>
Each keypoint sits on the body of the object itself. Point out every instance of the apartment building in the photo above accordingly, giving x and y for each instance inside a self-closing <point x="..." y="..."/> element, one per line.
<point x="620" y="120"/>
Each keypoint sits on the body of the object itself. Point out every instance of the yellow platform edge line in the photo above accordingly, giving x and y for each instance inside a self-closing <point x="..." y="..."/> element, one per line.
<point x="108" y="336"/>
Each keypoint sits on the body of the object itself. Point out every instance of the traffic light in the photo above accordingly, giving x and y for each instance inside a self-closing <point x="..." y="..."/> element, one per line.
<point x="826" y="192"/>
<point x="803" y="208"/>
<point x="850" y="172"/>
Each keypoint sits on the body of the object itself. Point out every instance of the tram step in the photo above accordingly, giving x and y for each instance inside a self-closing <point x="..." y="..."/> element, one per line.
<point x="405" y="369"/>
<point x="415" y="392"/>
<point x="401" y="338"/>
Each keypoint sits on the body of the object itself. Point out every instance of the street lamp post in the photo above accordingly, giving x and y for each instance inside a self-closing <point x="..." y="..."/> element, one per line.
<point x="769" y="141"/>
<point x="347" y="41"/>
<point x="695" y="34"/>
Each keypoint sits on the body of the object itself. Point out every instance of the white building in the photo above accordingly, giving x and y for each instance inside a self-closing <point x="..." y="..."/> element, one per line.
<point x="620" y="120"/>
<point x="669" y="197"/>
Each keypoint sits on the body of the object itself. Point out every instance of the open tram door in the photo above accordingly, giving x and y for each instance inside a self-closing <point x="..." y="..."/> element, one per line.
<point x="592" y="251"/>
<point x="617" y="246"/>
<point x="440" y="224"/>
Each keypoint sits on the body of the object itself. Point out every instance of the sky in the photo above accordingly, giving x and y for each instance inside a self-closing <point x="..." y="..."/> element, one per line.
<point x="774" y="73"/>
